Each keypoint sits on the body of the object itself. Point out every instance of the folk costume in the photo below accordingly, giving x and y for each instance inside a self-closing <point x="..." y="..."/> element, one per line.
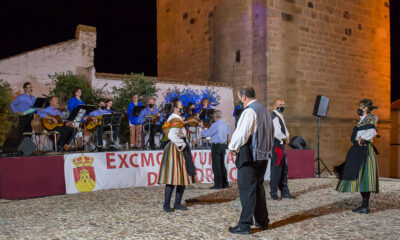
<point x="359" y="173"/>
<point x="253" y="140"/>
<point x="177" y="167"/>
<point x="279" y="167"/>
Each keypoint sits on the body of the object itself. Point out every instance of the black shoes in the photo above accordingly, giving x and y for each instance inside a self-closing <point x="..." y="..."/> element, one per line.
<point x="238" y="230"/>
<point x="274" y="197"/>
<point x="362" y="209"/>
<point x="168" y="209"/>
<point x="263" y="227"/>
<point x="225" y="186"/>
<point x="180" y="207"/>
<point x="215" y="187"/>
<point x="288" y="196"/>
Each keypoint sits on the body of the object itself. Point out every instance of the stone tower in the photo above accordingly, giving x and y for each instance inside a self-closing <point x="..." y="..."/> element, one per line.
<point x="293" y="49"/>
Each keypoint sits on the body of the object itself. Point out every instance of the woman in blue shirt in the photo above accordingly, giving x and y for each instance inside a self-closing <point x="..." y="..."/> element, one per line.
<point x="134" y="126"/>
<point x="76" y="100"/>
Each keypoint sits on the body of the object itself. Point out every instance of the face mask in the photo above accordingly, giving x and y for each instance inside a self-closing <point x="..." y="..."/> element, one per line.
<point x="103" y="107"/>
<point x="151" y="105"/>
<point x="280" y="109"/>
<point x="240" y="104"/>
<point x="360" y="112"/>
<point x="181" y="111"/>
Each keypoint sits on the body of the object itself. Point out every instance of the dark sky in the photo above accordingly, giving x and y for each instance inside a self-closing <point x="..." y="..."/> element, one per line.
<point x="126" y="31"/>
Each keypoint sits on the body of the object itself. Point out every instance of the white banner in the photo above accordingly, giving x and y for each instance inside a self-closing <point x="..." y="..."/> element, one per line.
<point x="85" y="172"/>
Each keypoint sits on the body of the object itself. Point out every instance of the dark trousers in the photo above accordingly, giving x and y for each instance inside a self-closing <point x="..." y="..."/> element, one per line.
<point x="99" y="133"/>
<point x="218" y="164"/>
<point x="24" y="124"/>
<point x="252" y="194"/>
<point x="279" y="174"/>
<point x="153" y="130"/>
<point x="66" y="135"/>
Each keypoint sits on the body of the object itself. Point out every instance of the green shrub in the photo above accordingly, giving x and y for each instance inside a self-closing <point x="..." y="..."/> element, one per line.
<point x="7" y="118"/>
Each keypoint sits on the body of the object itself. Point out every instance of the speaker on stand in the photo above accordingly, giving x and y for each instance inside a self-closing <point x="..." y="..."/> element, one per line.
<point x="320" y="109"/>
<point x="19" y="146"/>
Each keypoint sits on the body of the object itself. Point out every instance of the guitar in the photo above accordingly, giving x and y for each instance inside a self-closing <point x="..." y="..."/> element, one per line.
<point x="92" y="122"/>
<point x="192" y="121"/>
<point x="49" y="124"/>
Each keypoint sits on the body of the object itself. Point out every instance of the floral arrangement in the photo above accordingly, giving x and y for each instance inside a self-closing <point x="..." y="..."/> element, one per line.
<point x="189" y="94"/>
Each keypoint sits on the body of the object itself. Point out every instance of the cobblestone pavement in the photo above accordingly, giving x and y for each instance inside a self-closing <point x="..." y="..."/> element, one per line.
<point x="319" y="212"/>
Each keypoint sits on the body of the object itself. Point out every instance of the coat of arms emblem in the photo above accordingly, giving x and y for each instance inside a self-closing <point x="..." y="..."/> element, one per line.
<point x="85" y="179"/>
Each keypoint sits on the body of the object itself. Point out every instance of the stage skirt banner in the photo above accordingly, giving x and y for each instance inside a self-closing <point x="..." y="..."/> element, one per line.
<point x="85" y="172"/>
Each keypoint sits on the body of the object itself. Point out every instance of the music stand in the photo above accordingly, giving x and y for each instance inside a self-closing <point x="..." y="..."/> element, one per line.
<point x="41" y="103"/>
<point x="136" y="110"/>
<point x="111" y="120"/>
<point x="78" y="112"/>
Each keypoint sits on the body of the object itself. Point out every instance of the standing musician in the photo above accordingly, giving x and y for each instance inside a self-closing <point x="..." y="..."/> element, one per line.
<point x="135" y="127"/>
<point x="191" y="110"/>
<point x="66" y="131"/>
<point x="109" y="104"/>
<point x="279" y="167"/>
<point x="95" y="117"/>
<point x="151" y="112"/>
<point x="76" y="100"/>
<point x="23" y="103"/>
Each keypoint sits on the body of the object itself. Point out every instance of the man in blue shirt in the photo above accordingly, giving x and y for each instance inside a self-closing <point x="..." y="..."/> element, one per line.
<point x="219" y="132"/>
<point x="151" y="126"/>
<point x="99" y="128"/>
<point x="66" y="131"/>
<point x="23" y="103"/>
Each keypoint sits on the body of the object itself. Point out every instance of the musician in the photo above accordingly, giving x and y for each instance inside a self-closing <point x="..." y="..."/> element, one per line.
<point x="237" y="112"/>
<point x="155" y="113"/>
<point x="76" y="100"/>
<point x="191" y="110"/>
<point x="66" y="131"/>
<point x="109" y="104"/>
<point x="23" y="103"/>
<point x="99" y="128"/>
<point x="135" y="127"/>
<point x="204" y="104"/>
<point x="279" y="167"/>
<point x="219" y="132"/>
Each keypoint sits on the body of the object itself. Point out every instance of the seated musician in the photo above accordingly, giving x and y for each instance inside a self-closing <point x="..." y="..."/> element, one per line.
<point x="204" y="104"/>
<point x="153" y="112"/>
<point x="95" y="117"/>
<point x="66" y="131"/>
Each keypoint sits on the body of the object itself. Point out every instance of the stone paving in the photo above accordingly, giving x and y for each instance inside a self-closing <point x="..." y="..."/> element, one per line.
<point x="319" y="212"/>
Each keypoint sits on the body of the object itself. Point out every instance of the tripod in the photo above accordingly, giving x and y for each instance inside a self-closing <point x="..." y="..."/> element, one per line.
<point x="318" y="159"/>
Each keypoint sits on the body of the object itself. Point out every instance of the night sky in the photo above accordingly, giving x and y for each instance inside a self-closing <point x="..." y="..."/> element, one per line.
<point x="126" y="31"/>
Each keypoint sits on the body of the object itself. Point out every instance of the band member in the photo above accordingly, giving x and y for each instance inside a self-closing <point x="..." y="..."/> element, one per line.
<point x="251" y="141"/>
<point x="177" y="168"/>
<point x="204" y="104"/>
<point x="191" y="110"/>
<point x="22" y="106"/>
<point x="135" y="127"/>
<point x="109" y="104"/>
<point x="66" y="131"/>
<point x="237" y="112"/>
<point x="76" y="100"/>
<point x="219" y="132"/>
<point x="99" y="128"/>
<point x="359" y="173"/>
<point x="152" y="126"/>
<point x="279" y="168"/>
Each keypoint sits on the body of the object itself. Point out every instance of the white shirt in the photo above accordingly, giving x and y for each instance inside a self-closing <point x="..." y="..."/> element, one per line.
<point x="368" y="134"/>
<point x="278" y="134"/>
<point x="247" y="126"/>
<point x="173" y="133"/>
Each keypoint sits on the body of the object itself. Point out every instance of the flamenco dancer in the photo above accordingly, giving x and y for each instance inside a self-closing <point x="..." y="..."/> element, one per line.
<point x="359" y="173"/>
<point x="177" y="167"/>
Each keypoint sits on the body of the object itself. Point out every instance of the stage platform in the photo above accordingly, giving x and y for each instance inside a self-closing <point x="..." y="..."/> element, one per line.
<point x="38" y="176"/>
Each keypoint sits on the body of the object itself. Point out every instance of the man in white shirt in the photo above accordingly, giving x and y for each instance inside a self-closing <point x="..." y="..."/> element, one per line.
<point x="279" y="168"/>
<point x="252" y="142"/>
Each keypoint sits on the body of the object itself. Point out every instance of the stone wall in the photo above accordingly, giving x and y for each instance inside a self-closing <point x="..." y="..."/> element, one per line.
<point x="293" y="49"/>
<point x="75" y="55"/>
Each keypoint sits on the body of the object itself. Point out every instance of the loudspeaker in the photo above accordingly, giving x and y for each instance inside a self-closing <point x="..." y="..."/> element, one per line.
<point x="298" y="142"/>
<point x="22" y="145"/>
<point x="321" y="106"/>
